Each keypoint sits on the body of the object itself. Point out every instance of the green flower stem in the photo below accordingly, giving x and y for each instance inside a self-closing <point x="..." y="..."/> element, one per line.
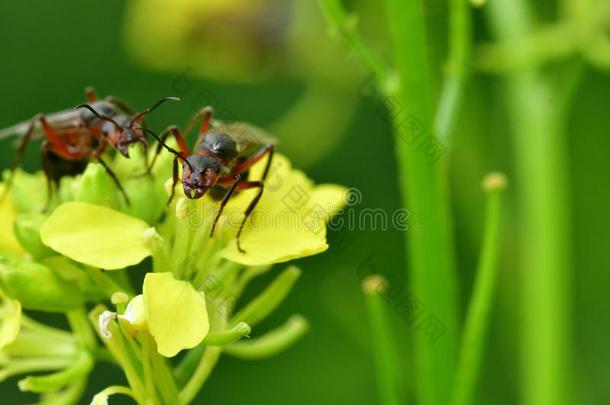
<point x="542" y="186"/>
<point x="117" y="347"/>
<point x="423" y="187"/>
<point x="260" y="307"/>
<point x="202" y="372"/>
<point x="102" y="354"/>
<point x="271" y="343"/>
<point x="41" y="329"/>
<point x="186" y="367"/>
<point x="79" y="324"/>
<point x="53" y="382"/>
<point x="158" y="380"/>
<point x="105" y="283"/>
<point x="112" y="390"/>
<point x="149" y="382"/>
<point x="338" y="20"/>
<point x="182" y="239"/>
<point x="24" y="366"/>
<point x="32" y="344"/>
<point x="165" y="378"/>
<point x="460" y="44"/>
<point x="207" y="357"/>
<point x="69" y="396"/>
<point x="228" y="336"/>
<point x="478" y="316"/>
<point x="425" y="193"/>
<point x="384" y="347"/>
<point x="132" y="345"/>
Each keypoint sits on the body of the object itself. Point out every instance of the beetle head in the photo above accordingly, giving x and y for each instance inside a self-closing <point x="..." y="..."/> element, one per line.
<point x="200" y="173"/>
<point x="128" y="136"/>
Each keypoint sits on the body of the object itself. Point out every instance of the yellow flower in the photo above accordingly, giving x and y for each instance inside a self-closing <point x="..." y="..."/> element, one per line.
<point x="8" y="242"/>
<point x="290" y="220"/>
<point x="172" y="310"/>
<point x="288" y="223"/>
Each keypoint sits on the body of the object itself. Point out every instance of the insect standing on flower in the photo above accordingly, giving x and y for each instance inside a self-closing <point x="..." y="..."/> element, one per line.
<point x="220" y="163"/>
<point x="72" y="138"/>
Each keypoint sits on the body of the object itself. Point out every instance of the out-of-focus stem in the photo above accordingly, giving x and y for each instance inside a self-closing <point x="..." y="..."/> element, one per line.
<point x="423" y="186"/>
<point x="425" y="193"/>
<point x="383" y="345"/>
<point x="460" y="44"/>
<point x="477" y="319"/>
<point x="542" y="186"/>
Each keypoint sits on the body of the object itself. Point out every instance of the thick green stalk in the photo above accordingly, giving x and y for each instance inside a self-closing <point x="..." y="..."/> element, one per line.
<point x="477" y="320"/>
<point x="424" y="192"/>
<point x="460" y="45"/>
<point x="383" y="344"/>
<point x="542" y="187"/>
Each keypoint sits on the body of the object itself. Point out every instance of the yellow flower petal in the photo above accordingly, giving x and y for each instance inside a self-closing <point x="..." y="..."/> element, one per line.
<point x="176" y="313"/>
<point x="290" y="219"/>
<point x="7" y="218"/>
<point x="10" y="320"/>
<point x="96" y="235"/>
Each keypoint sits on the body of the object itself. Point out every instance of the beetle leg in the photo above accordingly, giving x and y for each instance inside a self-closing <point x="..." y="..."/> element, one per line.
<point x="206" y="115"/>
<point x="56" y="143"/>
<point x="244" y="185"/>
<point x="20" y="153"/>
<point x="114" y="178"/>
<point x="224" y="202"/>
<point x="171" y="130"/>
<point x="91" y="96"/>
<point x="246" y="165"/>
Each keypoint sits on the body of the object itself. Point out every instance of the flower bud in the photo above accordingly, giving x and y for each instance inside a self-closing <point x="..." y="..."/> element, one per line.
<point x="27" y="232"/>
<point x="23" y="197"/>
<point x="96" y="187"/>
<point x="75" y="275"/>
<point x="37" y="287"/>
<point x="147" y="199"/>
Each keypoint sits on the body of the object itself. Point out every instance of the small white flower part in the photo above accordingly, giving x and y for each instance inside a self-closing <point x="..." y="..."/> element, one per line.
<point x="103" y="321"/>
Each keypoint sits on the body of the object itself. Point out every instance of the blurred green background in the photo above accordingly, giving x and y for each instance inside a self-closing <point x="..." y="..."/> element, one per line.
<point x="53" y="50"/>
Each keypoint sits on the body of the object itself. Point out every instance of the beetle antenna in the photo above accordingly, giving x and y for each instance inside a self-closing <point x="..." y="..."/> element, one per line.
<point x="151" y="109"/>
<point x="98" y="115"/>
<point x="169" y="148"/>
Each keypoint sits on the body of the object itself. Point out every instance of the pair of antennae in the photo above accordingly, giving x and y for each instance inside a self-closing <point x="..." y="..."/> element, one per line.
<point x="151" y="109"/>
<point x="169" y="148"/>
<point x="134" y="119"/>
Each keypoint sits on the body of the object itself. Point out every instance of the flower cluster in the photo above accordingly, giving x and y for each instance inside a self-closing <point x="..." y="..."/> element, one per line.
<point x="144" y="285"/>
